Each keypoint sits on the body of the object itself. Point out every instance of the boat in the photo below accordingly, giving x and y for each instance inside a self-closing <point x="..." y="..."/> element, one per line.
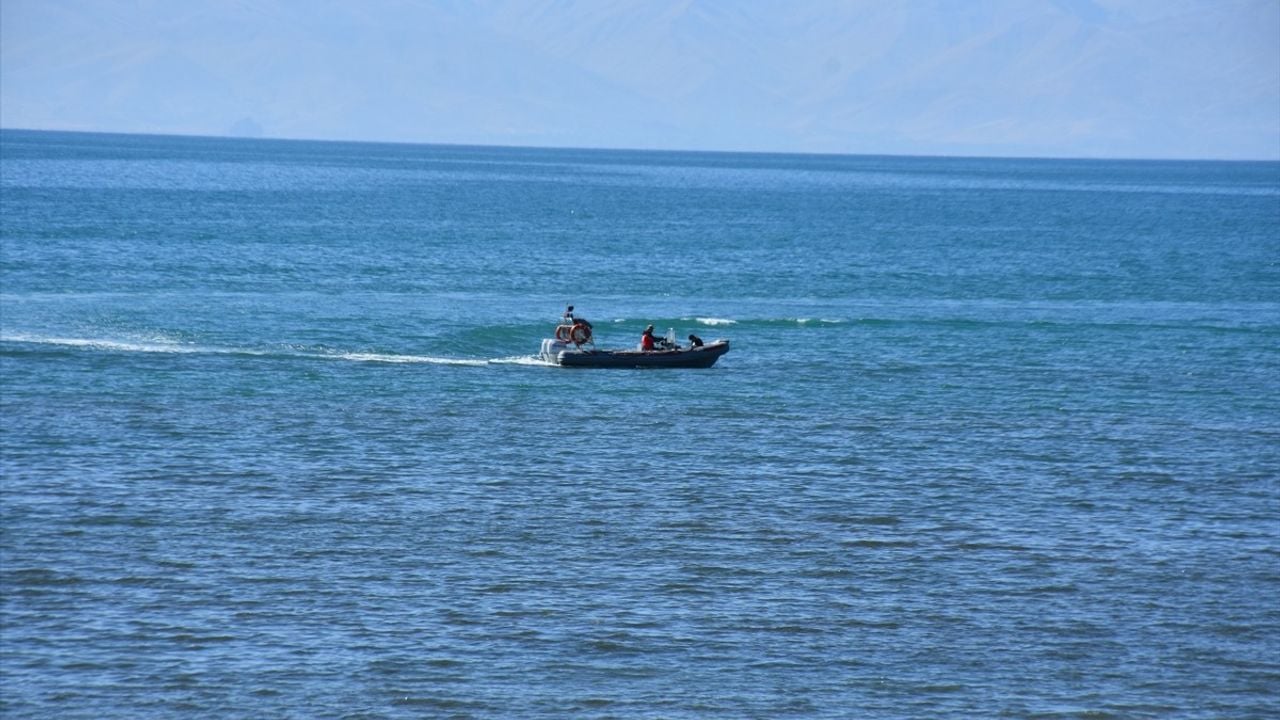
<point x="704" y="356"/>
<point x="574" y="346"/>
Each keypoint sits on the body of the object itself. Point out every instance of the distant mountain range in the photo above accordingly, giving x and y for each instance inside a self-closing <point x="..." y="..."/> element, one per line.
<point x="1167" y="78"/>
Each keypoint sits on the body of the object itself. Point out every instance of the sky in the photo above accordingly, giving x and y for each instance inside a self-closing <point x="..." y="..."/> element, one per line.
<point x="1193" y="79"/>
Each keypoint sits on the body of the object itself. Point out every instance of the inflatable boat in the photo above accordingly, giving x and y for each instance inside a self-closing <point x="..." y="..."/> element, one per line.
<point x="574" y="346"/>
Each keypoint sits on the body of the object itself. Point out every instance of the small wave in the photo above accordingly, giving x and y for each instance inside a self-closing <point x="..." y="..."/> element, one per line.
<point x="750" y="322"/>
<point x="875" y="543"/>
<point x="818" y="321"/>
<point x="766" y="322"/>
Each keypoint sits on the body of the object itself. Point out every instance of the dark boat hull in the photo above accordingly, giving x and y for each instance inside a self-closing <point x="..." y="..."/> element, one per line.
<point x="698" y="357"/>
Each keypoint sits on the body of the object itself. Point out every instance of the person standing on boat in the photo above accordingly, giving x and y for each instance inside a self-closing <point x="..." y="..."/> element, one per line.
<point x="569" y="319"/>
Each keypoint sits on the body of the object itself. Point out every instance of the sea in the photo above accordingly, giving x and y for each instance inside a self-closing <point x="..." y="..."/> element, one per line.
<point x="996" y="438"/>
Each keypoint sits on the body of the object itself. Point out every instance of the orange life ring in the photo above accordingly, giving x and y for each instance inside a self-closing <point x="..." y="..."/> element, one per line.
<point x="580" y="334"/>
<point x="563" y="332"/>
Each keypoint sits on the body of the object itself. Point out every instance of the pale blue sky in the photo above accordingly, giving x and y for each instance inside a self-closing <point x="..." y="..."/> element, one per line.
<point x="1061" y="78"/>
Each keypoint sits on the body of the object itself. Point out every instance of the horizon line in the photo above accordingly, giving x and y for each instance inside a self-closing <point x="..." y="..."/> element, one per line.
<point x="412" y="143"/>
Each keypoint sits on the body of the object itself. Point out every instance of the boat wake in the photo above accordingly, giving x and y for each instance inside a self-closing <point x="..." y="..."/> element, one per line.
<point x="140" y="346"/>
<point x="533" y="360"/>
<point x="162" y="345"/>
<point x="389" y="358"/>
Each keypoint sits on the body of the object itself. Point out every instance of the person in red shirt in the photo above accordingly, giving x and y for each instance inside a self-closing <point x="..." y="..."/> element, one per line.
<point x="646" y="340"/>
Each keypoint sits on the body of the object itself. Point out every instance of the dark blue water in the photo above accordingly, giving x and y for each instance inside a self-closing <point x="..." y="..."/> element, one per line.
<point x="996" y="438"/>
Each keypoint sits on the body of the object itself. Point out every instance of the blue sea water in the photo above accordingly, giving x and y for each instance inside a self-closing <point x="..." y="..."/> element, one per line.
<point x="996" y="438"/>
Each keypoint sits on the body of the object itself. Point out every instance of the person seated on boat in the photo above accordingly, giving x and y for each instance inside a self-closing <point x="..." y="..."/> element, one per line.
<point x="695" y="341"/>
<point x="648" y="342"/>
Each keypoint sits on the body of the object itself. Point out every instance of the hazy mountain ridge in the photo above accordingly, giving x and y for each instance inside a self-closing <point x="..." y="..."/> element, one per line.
<point x="1007" y="78"/>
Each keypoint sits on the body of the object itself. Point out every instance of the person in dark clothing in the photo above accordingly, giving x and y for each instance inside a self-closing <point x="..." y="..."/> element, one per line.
<point x="695" y="341"/>
<point x="569" y="319"/>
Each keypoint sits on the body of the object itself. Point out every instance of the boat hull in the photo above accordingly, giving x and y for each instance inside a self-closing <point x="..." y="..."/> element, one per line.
<point x="698" y="357"/>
